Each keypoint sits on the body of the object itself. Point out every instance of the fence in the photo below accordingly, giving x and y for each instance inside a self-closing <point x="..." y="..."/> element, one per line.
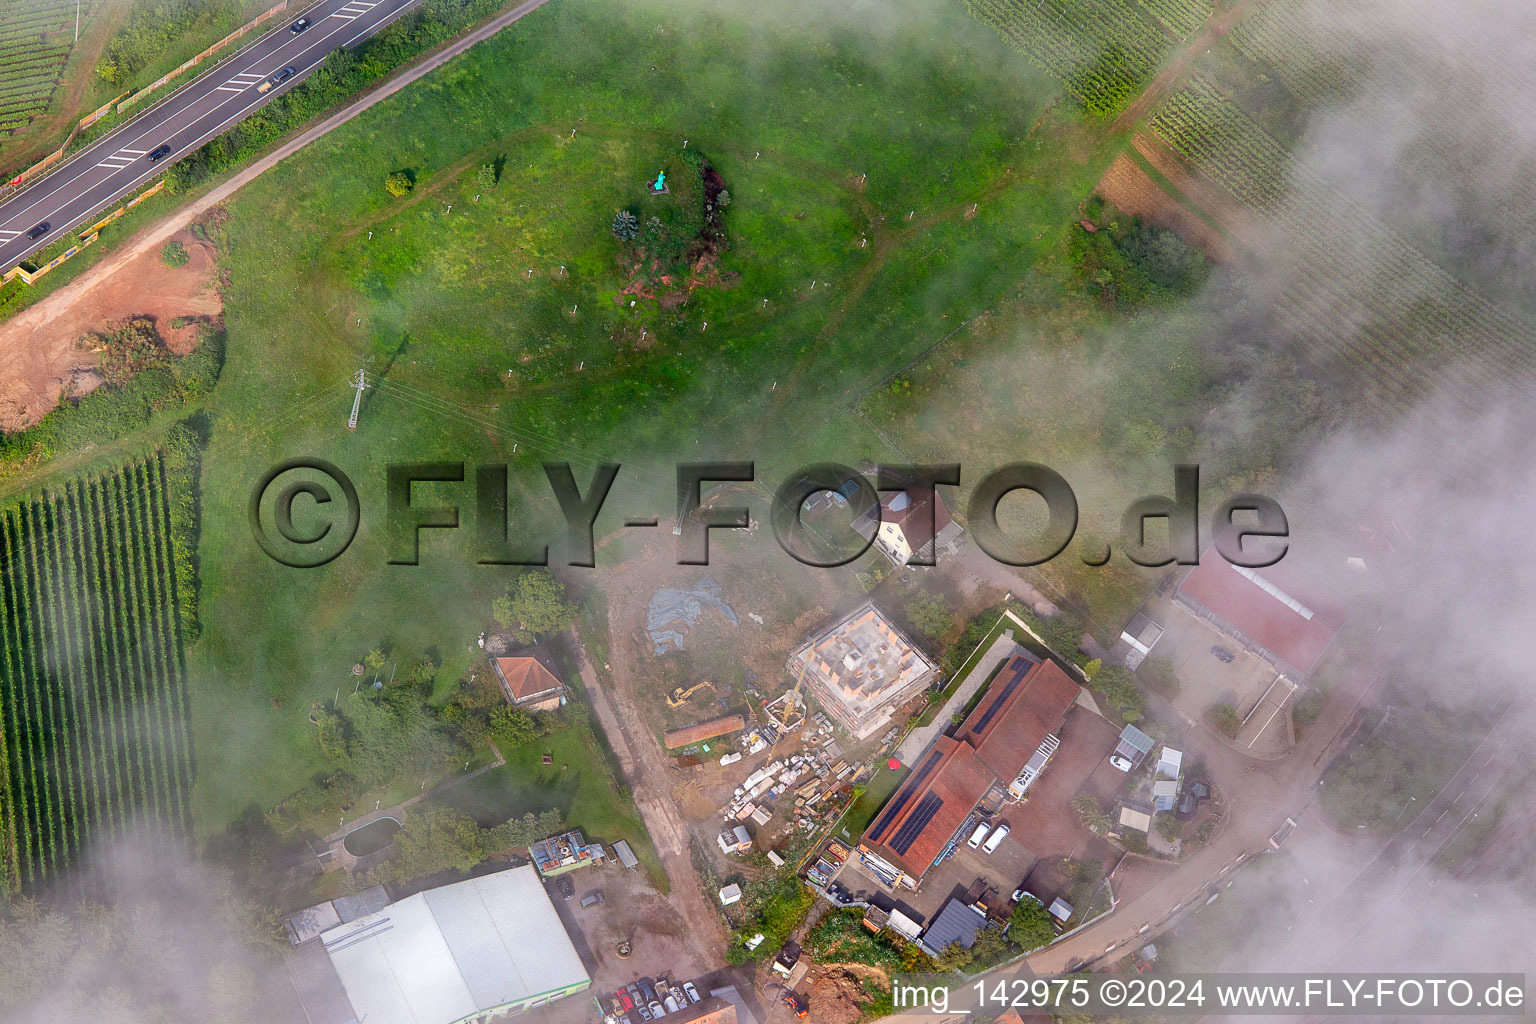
<point x="58" y="154"/>
<point x="87" y="237"/>
<point x="260" y="19"/>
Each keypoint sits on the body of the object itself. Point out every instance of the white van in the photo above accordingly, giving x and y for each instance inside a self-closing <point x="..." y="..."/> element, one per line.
<point x="977" y="836"/>
<point x="996" y="840"/>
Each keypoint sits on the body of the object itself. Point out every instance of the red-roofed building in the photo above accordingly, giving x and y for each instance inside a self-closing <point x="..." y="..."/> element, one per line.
<point x="1024" y="705"/>
<point x="1274" y="611"/>
<point x="929" y="807"/>
<point x="529" y="681"/>
<point x="903" y="528"/>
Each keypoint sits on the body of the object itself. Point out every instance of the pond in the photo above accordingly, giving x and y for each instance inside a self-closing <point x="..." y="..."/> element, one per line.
<point x="371" y="838"/>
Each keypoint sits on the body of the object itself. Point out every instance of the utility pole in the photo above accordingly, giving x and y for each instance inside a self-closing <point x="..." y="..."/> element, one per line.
<point x="77" y="21"/>
<point x="360" y="382"/>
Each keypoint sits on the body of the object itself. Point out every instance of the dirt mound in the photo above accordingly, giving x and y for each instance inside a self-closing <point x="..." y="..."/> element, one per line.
<point x="838" y="995"/>
<point x="41" y="354"/>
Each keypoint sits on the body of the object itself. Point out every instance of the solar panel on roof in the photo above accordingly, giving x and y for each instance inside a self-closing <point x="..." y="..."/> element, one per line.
<point x="912" y="785"/>
<point x="993" y="708"/>
<point x="913" y="827"/>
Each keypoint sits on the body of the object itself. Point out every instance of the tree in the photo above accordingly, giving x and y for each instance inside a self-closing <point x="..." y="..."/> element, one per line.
<point x="989" y="945"/>
<point x="952" y="957"/>
<point x="1031" y="925"/>
<point x="723" y="199"/>
<point x="1167" y="826"/>
<point x="537" y="606"/>
<point x="398" y="183"/>
<point x="516" y="725"/>
<point x="374" y="659"/>
<point x="486" y="177"/>
<point x="437" y="839"/>
<point x="1118" y="688"/>
<point x="626" y="226"/>
<point x="1091" y="814"/>
<point x="174" y="254"/>
<point x="929" y="615"/>
<point x="1159" y="675"/>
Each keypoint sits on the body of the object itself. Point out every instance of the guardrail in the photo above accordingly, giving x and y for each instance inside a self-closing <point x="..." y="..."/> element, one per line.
<point x="87" y="237"/>
<point x="260" y="19"/>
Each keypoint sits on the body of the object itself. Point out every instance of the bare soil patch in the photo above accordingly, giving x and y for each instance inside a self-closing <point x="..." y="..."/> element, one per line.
<point x="1211" y="198"/>
<point x="44" y="349"/>
<point x="1132" y="190"/>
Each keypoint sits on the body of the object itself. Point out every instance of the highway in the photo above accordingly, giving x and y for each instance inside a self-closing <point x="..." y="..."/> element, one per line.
<point x="115" y="165"/>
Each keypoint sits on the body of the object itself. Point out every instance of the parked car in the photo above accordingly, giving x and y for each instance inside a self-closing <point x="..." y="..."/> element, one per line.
<point x="657" y="1010"/>
<point x="1222" y="654"/>
<point x="996" y="839"/>
<point x="592" y="898"/>
<point x="299" y="26"/>
<point x="624" y="1000"/>
<point x="1022" y="893"/>
<point x="648" y="989"/>
<point x="566" y="886"/>
<point x="671" y="1005"/>
<point x="160" y="151"/>
<point x="977" y="836"/>
<point x="691" y="992"/>
<point x="1122" y="763"/>
<point x="38" y="232"/>
<point x="643" y="1010"/>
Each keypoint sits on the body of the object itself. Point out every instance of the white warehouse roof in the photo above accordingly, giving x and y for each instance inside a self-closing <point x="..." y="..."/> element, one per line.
<point x="449" y="953"/>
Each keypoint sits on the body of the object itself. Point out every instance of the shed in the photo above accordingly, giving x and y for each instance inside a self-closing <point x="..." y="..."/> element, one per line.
<point x="957" y="922"/>
<point x="1141" y="821"/>
<point x="1165" y="793"/>
<point x="1169" y="763"/>
<point x="1060" y="909"/>
<point x="730" y="894"/>
<point x="626" y="855"/>
<point x="1134" y="744"/>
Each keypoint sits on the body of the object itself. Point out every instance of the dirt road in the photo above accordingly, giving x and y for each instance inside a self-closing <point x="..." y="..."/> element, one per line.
<point x="1166" y="80"/>
<point x="645" y="771"/>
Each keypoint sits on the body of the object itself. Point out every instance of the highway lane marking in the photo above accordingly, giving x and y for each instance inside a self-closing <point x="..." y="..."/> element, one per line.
<point x="309" y="45"/>
<point x="246" y="53"/>
<point x="199" y="141"/>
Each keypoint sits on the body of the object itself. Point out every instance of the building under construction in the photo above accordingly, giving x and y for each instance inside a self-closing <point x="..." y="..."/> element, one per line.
<point x="862" y="669"/>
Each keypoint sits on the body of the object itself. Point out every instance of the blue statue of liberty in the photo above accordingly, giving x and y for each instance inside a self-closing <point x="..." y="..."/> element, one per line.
<point x="661" y="181"/>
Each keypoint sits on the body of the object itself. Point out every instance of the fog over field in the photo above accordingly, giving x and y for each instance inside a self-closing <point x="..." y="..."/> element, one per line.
<point x="1433" y="487"/>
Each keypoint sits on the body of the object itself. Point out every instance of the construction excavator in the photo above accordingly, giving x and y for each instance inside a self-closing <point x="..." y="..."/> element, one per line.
<point x="679" y="696"/>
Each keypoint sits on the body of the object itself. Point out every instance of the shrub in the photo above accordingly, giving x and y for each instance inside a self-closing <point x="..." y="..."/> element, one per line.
<point x="1223" y="718"/>
<point x="398" y="183"/>
<point x="174" y="254"/>
<point x="625" y="226"/>
<point x="486" y="176"/>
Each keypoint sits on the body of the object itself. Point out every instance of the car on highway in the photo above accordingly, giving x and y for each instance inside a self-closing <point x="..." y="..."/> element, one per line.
<point x="279" y="78"/>
<point x="299" y="26"/>
<point x="156" y="154"/>
<point x="38" y="232"/>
